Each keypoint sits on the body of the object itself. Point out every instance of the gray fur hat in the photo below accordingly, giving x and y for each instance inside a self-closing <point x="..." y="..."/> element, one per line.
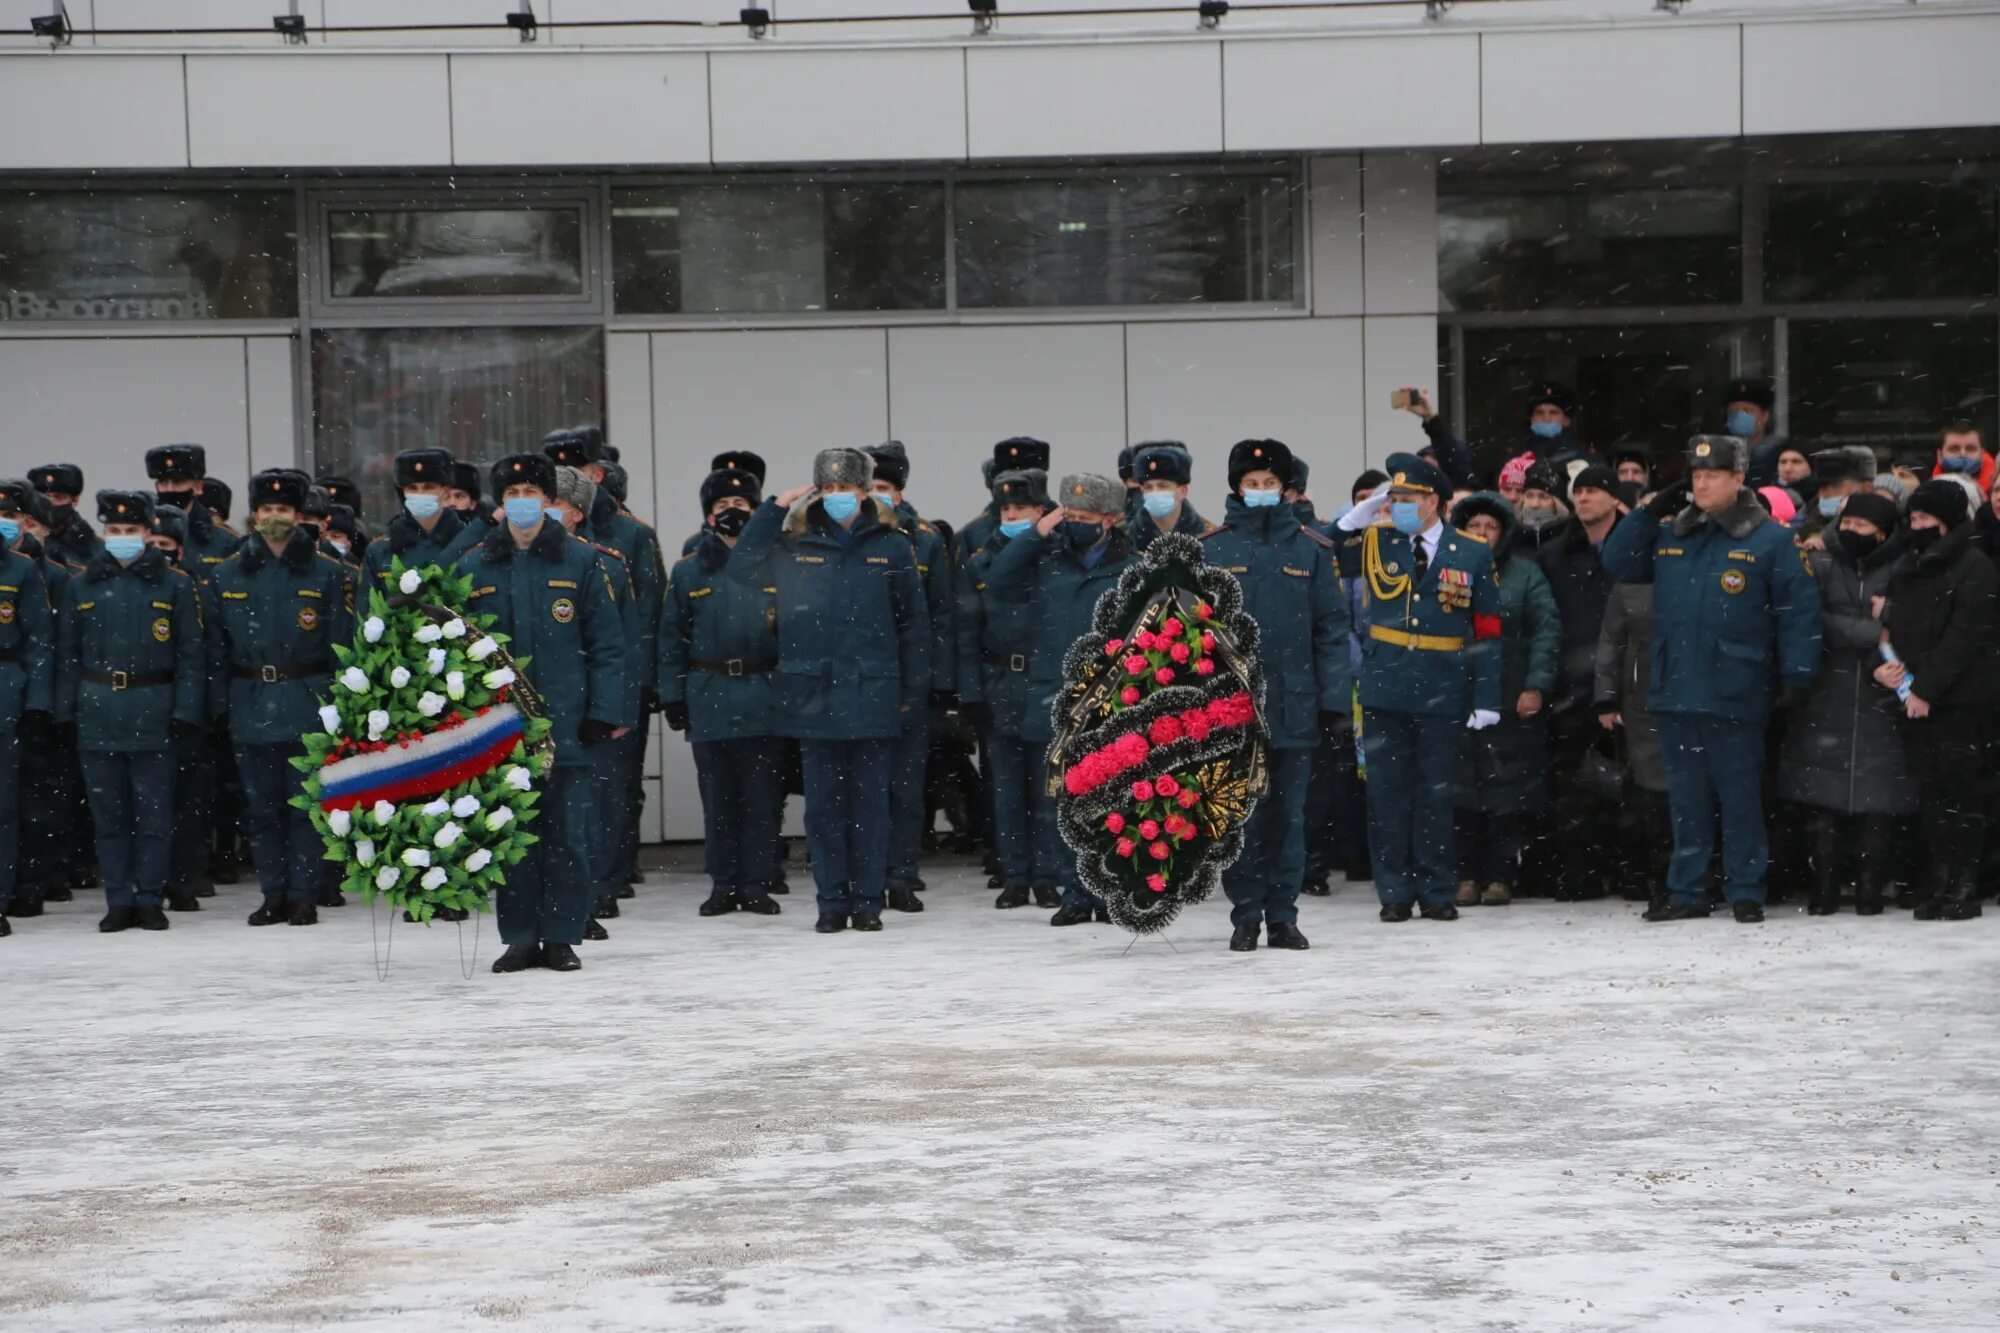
<point x="575" y="488"/>
<point x="1725" y="453"/>
<point x="843" y="467"/>
<point x="1091" y="493"/>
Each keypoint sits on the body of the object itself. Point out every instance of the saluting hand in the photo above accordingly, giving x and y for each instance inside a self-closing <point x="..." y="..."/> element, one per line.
<point x="1050" y="521"/>
<point x="794" y="495"/>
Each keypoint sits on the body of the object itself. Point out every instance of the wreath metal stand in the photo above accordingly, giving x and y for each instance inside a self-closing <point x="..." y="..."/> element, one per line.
<point x="375" y="937"/>
<point x="468" y="963"/>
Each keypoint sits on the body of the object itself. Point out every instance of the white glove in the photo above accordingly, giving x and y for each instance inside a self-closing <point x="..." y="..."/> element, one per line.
<point x="1364" y="514"/>
<point x="1481" y="719"/>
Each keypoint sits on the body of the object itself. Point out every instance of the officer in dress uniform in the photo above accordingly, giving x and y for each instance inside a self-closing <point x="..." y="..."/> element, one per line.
<point x="1019" y="453"/>
<point x="908" y="810"/>
<point x="718" y="648"/>
<point x="1735" y="614"/>
<point x="1163" y="469"/>
<point x="853" y="662"/>
<point x="71" y="538"/>
<point x="280" y="605"/>
<point x="420" y="535"/>
<point x="1430" y="667"/>
<point x="27" y="691"/>
<point x="55" y="820"/>
<point x="131" y="676"/>
<point x="995" y="639"/>
<point x="1292" y="590"/>
<point x="550" y="596"/>
<point x="1058" y="569"/>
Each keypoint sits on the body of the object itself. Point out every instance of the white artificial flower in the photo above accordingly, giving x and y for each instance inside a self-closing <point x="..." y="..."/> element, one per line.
<point x="465" y="805"/>
<point x="482" y="649"/>
<point x="355" y="679"/>
<point x="454" y="684"/>
<point x="454" y="628"/>
<point x="340" y="821"/>
<point x="434" y="660"/>
<point x="428" y="634"/>
<point x="518" y="778"/>
<point x="364" y="851"/>
<point x="446" y="836"/>
<point x="499" y="818"/>
<point x="479" y="860"/>
<point x="410" y="582"/>
<point x="329" y="717"/>
<point x="437" y="807"/>
<point x="416" y="856"/>
<point x="372" y="628"/>
<point x="429" y="704"/>
<point x="386" y="877"/>
<point x="495" y="679"/>
<point x="383" y="812"/>
<point x="378" y="722"/>
<point x="399" y="677"/>
<point x="435" y="877"/>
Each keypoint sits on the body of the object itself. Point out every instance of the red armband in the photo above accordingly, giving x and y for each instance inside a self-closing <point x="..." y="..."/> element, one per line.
<point x="1485" y="627"/>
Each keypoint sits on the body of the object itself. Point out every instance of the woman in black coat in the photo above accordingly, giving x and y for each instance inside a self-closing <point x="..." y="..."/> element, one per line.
<point x="1940" y="618"/>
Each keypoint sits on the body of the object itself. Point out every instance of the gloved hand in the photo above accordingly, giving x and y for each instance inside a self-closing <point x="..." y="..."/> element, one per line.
<point x="38" y="728"/>
<point x="676" y="714"/>
<point x="1665" y="504"/>
<point x="649" y="701"/>
<point x="1364" y="514"/>
<point x="595" y="731"/>
<point x="944" y="701"/>
<point x="1481" y="719"/>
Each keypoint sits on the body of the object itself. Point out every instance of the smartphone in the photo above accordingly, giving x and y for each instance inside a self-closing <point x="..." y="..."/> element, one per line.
<point x="1400" y="399"/>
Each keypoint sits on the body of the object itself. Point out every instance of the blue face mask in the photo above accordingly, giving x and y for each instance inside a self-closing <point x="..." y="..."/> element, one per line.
<point x="1965" y="463"/>
<point x="10" y="530"/>
<point x="523" y="511"/>
<point x="1741" y="424"/>
<point x="841" y="505"/>
<point x="1262" y="499"/>
<point x="1547" y="430"/>
<point x="552" y="514"/>
<point x="1406" y="516"/>
<point x="1829" y="505"/>
<point x="1015" y="527"/>
<point x="1160" y="503"/>
<point x="421" y="506"/>
<point x="125" y="549"/>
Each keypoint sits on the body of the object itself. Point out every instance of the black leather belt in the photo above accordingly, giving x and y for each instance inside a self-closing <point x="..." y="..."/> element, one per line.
<point x="732" y="666"/>
<point x="129" y="680"/>
<point x="10" y="654"/>
<point x="1011" y="661"/>
<point x="274" y="673"/>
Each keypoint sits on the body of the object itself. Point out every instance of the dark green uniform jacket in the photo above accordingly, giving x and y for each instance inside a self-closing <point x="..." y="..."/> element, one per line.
<point x="718" y="645"/>
<point x="129" y="655"/>
<point x="996" y="639"/>
<point x="1432" y="645"/>
<point x="1141" y="528"/>
<point x="276" y="619"/>
<point x="27" y="640"/>
<point x="934" y="572"/>
<point x="640" y="546"/>
<point x="1061" y="594"/>
<point x="407" y="541"/>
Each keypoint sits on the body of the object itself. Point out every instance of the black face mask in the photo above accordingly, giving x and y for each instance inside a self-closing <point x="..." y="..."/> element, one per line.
<point x="1922" y="539"/>
<point x="731" y="522"/>
<point x="1082" y="536"/>
<point x="1860" y="545"/>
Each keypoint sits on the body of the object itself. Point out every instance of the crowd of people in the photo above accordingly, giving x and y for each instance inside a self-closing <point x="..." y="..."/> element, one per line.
<point x="1740" y="672"/>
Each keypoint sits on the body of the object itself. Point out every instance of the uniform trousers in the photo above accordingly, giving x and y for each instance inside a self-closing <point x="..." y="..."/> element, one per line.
<point x="742" y="791"/>
<point x="1412" y="764"/>
<point x="1263" y="882"/>
<point x="908" y="810"/>
<point x="132" y="805"/>
<point x="189" y="853"/>
<point x="606" y="845"/>
<point x="285" y="848"/>
<point x="225" y="799"/>
<point x="1714" y="764"/>
<point x="847" y="820"/>
<point x="1055" y="860"/>
<point x="546" y="896"/>
<point x="631" y="750"/>
<point x="1012" y="765"/>
<point x="10" y="817"/>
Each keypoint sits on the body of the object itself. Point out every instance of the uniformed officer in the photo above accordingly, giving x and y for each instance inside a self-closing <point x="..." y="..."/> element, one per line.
<point x="995" y="637"/>
<point x="741" y="460"/>
<point x="280" y="606"/>
<point x="56" y="835"/>
<point x="1019" y="453"/>
<point x="1292" y="590"/>
<point x="1735" y="612"/>
<point x="71" y="538"/>
<point x="908" y="811"/>
<point x="853" y="662"/>
<point x="193" y="752"/>
<point x="1133" y="495"/>
<point x="343" y="491"/>
<point x="27" y="690"/>
<point x="1163" y="469"/>
<point x="131" y="675"/>
<point x="1431" y="666"/>
<point x="420" y="535"/>
<point x="718" y="648"/>
<point x="552" y="599"/>
<point x="227" y="850"/>
<point x="216" y="497"/>
<point x="1058" y="569"/>
<point x="177" y="472"/>
<point x="462" y="496"/>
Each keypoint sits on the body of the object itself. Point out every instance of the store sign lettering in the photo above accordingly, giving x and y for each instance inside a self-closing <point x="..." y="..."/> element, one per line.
<point x="30" y="305"/>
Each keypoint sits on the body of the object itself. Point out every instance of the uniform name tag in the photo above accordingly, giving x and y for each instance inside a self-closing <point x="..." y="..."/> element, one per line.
<point x="479" y="592"/>
<point x="1296" y="573"/>
<point x="561" y="583"/>
<point x="880" y="560"/>
<point x="309" y="592"/>
<point x="1743" y="555"/>
<point x="1237" y="569"/>
<point x="213" y="559"/>
<point x="921" y="569"/>
<point x="231" y="596"/>
<point x="700" y="592"/>
<point x="809" y="559"/>
<point x="8" y="587"/>
<point x="85" y="606"/>
<point x="1670" y="550"/>
<point x="163" y="606"/>
<point x="774" y="589"/>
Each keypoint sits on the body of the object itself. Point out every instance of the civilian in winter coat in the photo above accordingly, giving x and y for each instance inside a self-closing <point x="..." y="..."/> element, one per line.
<point x="1624" y="667"/>
<point x="1940" y="618"/>
<point x="1843" y="748"/>
<point x="1503" y="770"/>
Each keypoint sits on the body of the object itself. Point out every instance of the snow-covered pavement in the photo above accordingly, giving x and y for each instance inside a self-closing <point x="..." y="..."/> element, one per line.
<point x="1541" y="1117"/>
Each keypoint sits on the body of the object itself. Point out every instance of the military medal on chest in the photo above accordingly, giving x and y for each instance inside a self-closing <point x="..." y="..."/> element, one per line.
<point x="1454" y="589"/>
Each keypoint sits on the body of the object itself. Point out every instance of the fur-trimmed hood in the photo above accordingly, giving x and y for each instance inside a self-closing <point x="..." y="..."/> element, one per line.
<point x="797" y="518"/>
<point x="1742" y="518"/>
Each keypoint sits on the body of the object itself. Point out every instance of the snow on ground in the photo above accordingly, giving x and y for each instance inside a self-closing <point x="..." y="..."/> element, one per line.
<point x="1541" y="1117"/>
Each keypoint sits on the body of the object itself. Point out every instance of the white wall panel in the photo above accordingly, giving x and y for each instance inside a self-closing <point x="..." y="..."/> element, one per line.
<point x="1333" y="205"/>
<point x="583" y="109"/>
<point x="1045" y="101"/>
<point x="319" y="110"/>
<point x="274" y="442"/>
<point x="1871" y="74"/>
<point x="110" y="399"/>
<point x="1631" y="83"/>
<point x="1399" y="219"/>
<point x="117" y="19"/>
<point x="73" y="110"/>
<point x="1212" y="383"/>
<point x="837" y="106"/>
<point x="487" y="15"/>
<point x="570" y="13"/>
<point x="955" y="392"/>
<point x="1397" y="352"/>
<point x="1353" y="92"/>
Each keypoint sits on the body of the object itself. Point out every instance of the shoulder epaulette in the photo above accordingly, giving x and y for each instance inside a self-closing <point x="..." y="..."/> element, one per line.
<point x="1220" y="527"/>
<point x="604" y="550"/>
<point x="684" y="559"/>
<point x="331" y="561"/>
<point x="1317" y="537"/>
<point x="636" y="519"/>
<point x="182" y="572"/>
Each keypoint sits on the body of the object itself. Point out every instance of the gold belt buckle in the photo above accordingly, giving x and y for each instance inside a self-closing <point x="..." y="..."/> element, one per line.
<point x="121" y="680"/>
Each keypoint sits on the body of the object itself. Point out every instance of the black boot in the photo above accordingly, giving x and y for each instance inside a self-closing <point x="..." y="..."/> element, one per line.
<point x="26" y="904"/>
<point x="1930" y="904"/>
<point x="1444" y="911"/>
<point x="1014" y="897"/>
<point x="760" y="903"/>
<point x="117" y="919"/>
<point x="636" y="877"/>
<point x="560" y="958"/>
<point x="994" y="881"/>
<point x="519" y="957"/>
<point x="607" y="906"/>
<point x="1669" y="910"/>
<point x="205" y="890"/>
<point x="868" y="921"/>
<point x="153" y="917"/>
<point x="454" y="914"/>
<point x="1318" y="888"/>
<point x="1244" y="938"/>
<point x="1962" y="902"/>
<point x="1749" y="912"/>
<point x="269" y="913"/>
<point x="332" y="898"/>
<point x="594" y="930"/>
<point x="830" y="923"/>
<point x="1046" y="896"/>
<point x="1822" y="884"/>
<point x="1285" y="936"/>
<point x="779" y="886"/>
<point x="1071" y="915"/>
<point x="222" y="872"/>
<point x="5" y="929"/>
<point x="60" y="894"/>
<point x="1395" y="912"/>
<point x="184" y="902"/>
<point x="1101" y="915"/>
<point x="305" y="914"/>
<point x="902" y="899"/>
<point x="720" y="902"/>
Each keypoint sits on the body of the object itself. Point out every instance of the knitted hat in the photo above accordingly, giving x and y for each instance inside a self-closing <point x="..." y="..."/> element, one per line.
<point x="1943" y="499"/>
<point x="1514" y="472"/>
<point x="1880" y="510"/>
<point x="1596" y="477"/>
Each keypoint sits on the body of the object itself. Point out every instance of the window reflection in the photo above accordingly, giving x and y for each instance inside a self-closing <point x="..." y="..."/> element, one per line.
<point x="387" y="254"/>
<point x="1881" y="240"/>
<point x="1890" y="383"/>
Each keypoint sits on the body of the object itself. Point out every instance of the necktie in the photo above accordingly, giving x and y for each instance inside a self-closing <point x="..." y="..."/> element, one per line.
<point x="1419" y="562"/>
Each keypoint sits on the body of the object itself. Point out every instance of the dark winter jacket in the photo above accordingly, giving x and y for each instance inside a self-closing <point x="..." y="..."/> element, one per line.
<point x="1582" y="589"/>
<point x="130" y="659"/>
<point x="279" y="615"/>
<point x="995" y="641"/>
<point x="1504" y="768"/>
<point x="1141" y="529"/>
<point x="718" y="645"/>
<point x="1843" y="748"/>
<point x="1062" y="592"/>
<point x="406" y="540"/>
<point x="1942" y="616"/>
<point x="1624" y="669"/>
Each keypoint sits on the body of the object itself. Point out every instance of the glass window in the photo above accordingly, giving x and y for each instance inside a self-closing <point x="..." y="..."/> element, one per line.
<point x="1890" y="383"/>
<point x="131" y="256"/>
<point x="481" y="393"/>
<point x="1133" y="240"/>
<point x="1590" y="249"/>
<point x="1882" y="240"/>
<point x="778" y="248"/>
<point x="407" y="253"/>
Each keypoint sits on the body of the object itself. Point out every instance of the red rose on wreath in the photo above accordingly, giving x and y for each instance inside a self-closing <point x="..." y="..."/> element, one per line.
<point x="1159" y="851"/>
<point x="1165" y="784"/>
<point x="1126" y="846"/>
<point x="1115" y="822"/>
<point x="1157" y="883"/>
<point x="1142" y="790"/>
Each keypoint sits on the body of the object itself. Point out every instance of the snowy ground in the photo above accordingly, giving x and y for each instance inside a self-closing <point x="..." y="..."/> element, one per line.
<point x="1540" y="1117"/>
